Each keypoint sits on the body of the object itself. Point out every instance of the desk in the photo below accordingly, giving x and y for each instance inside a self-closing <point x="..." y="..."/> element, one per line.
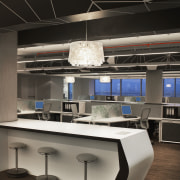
<point x="61" y="113"/>
<point x="105" y="120"/>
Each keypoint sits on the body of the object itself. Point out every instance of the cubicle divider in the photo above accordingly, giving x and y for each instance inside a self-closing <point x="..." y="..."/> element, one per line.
<point x="25" y="104"/>
<point x="106" y="111"/>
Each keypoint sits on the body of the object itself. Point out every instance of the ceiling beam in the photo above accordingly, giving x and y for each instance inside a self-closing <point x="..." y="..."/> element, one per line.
<point x="163" y="21"/>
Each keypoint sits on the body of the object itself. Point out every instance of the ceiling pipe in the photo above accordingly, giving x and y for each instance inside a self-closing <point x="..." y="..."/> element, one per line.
<point x="114" y="47"/>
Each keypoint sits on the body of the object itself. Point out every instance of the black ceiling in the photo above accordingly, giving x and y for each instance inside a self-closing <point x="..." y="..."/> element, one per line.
<point x="28" y="14"/>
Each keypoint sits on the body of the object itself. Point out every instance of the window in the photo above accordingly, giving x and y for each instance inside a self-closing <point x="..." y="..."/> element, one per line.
<point x="102" y="88"/>
<point x="169" y="87"/>
<point x="143" y="87"/>
<point x="178" y="87"/>
<point x="116" y="87"/>
<point x="131" y="87"/>
<point x="70" y="91"/>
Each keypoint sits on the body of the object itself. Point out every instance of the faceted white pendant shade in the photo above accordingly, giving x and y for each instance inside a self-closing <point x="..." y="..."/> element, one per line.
<point x="86" y="53"/>
<point x="70" y="79"/>
<point x="105" y="79"/>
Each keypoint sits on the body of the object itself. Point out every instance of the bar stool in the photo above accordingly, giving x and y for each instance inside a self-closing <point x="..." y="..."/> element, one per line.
<point x="17" y="172"/>
<point x="46" y="151"/>
<point x="86" y="158"/>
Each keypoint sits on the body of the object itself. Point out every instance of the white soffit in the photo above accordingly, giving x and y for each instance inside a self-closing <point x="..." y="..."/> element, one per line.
<point x="172" y="37"/>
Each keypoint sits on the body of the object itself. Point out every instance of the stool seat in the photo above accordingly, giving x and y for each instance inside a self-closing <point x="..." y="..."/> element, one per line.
<point x="85" y="157"/>
<point x="17" y="145"/>
<point x="46" y="150"/>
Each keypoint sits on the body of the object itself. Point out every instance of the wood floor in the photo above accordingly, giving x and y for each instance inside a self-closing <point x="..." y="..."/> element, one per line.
<point x="166" y="165"/>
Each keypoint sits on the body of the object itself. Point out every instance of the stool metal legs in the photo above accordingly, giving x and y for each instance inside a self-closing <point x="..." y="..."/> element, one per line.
<point x="46" y="176"/>
<point x="17" y="172"/>
<point x="85" y="170"/>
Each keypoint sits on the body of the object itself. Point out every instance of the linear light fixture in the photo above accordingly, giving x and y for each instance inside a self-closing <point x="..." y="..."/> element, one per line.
<point x="39" y="59"/>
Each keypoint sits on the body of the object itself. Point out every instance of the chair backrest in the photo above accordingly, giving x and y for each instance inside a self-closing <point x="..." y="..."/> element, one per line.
<point x="47" y="107"/>
<point x="46" y="111"/>
<point x="74" y="109"/>
<point x="144" y="118"/>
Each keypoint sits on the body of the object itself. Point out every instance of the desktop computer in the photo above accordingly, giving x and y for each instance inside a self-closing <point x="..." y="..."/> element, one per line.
<point x="39" y="105"/>
<point x="127" y="112"/>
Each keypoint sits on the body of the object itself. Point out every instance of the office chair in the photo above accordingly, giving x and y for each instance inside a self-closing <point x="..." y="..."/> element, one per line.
<point x="74" y="112"/>
<point x="143" y="123"/>
<point x="46" y="112"/>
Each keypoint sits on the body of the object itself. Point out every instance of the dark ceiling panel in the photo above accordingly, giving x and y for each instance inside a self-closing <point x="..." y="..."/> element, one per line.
<point x="63" y="33"/>
<point x="21" y="8"/>
<point x="69" y="7"/>
<point x="7" y="18"/>
<point x="42" y="8"/>
<point x="137" y="24"/>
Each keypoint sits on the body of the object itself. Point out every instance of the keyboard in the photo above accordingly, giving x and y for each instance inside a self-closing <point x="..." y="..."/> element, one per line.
<point x="129" y="116"/>
<point x="38" y="110"/>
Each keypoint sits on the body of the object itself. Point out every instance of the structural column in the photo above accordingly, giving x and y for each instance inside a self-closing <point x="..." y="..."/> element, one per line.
<point x="8" y="77"/>
<point x="154" y="86"/>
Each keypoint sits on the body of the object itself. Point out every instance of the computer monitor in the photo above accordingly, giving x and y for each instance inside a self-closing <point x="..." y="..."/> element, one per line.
<point x="39" y="105"/>
<point x="138" y="99"/>
<point x="126" y="110"/>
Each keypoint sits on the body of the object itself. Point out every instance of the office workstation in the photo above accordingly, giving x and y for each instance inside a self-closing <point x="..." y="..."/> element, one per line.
<point x="93" y="90"/>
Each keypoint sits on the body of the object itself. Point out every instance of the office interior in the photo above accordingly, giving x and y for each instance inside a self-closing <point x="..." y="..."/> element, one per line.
<point x="141" y="56"/>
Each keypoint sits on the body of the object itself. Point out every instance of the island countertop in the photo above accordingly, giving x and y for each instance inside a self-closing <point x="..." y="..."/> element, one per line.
<point x="133" y="146"/>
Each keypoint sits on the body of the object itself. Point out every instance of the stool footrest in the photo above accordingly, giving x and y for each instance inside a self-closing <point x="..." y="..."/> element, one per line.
<point x="17" y="173"/>
<point x="48" y="177"/>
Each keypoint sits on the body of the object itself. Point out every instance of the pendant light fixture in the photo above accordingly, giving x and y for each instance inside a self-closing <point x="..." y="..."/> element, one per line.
<point x="86" y="53"/>
<point x="105" y="79"/>
<point x="69" y="79"/>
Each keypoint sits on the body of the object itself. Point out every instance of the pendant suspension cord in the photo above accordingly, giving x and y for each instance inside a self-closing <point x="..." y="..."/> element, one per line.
<point x="86" y="30"/>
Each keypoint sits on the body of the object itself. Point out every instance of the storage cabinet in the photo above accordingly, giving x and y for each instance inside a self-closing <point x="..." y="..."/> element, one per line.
<point x="66" y="105"/>
<point x="170" y="112"/>
<point x="170" y="125"/>
<point x="170" y="131"/>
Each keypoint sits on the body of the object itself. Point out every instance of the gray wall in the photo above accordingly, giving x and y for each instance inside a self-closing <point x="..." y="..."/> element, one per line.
<point x="39" y="87"/>
<point x="56" y="85"/>
<point x="8" y="77"/>
<point x="154" y="86"/>
<point x="81" y="87"/>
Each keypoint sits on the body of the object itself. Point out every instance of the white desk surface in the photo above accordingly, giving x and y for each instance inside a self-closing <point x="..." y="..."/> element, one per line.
<point x="105" y="120"/>
<point x="58" y="112"/>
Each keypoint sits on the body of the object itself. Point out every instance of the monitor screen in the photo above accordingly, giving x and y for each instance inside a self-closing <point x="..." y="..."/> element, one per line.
<point x="92" y="97"/>
<point x="138" y="99"/>
<point x="126" y="110"/>
<point x="39" y="104"/>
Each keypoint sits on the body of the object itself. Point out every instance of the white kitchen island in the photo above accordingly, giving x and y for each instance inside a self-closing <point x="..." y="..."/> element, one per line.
<point x="123" y="153"/>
